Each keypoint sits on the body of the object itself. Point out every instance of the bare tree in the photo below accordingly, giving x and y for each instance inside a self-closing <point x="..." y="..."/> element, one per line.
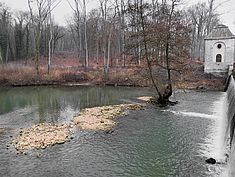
<point x="121" y="11"/>
<point x="51" y="38"/>
<point x="167" y="33"/>
<point x="204" y="18"/>
<point x="43" y="10"/>
<point x="85" y="33"/>
<point x="77" y="8"/>
<point x="5" y="27"/>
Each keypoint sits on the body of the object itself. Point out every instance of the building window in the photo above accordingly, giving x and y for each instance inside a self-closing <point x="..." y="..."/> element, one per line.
<point x="218" y="58"/>
<point x="219" y="46"/>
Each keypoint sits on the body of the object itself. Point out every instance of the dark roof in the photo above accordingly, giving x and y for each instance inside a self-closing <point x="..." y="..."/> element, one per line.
<point x="219" y="32"/>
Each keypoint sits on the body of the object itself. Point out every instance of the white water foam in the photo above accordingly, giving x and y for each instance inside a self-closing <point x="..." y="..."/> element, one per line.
<point x="217" y="137"/>
<point x="194" y="114"/>
<point x="215" y="142"/>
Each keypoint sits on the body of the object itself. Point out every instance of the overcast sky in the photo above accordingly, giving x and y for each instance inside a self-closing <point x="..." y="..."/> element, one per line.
<point x="63" y="11"/>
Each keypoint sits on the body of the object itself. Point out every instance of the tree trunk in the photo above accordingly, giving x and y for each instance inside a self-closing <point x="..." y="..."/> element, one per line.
<point x="7" y="53"/>
<point x="38" y="42"/>
<point x="108" y="59"/>
<point x="50" y="40"/>
<point x="146" y="52"/>
<point x="85" y="33"/>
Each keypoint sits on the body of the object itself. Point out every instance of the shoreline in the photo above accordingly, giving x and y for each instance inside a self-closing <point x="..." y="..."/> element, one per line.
<point x="178" y="86"/>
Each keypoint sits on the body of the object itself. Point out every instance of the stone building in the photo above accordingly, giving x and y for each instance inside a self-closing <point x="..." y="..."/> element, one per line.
<point x="219" y="51"/>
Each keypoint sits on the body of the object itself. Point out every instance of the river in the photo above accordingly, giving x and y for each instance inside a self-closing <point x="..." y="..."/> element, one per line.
<point x="155" y="142"/>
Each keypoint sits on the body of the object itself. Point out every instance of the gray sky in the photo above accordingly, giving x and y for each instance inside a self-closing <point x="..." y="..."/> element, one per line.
<point x="63" y="11"/>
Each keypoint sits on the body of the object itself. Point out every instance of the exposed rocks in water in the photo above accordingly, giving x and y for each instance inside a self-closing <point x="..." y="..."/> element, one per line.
<point x="2" y="130"/>
<point x="145" y="98"/>
<point x="211" y="161"/>
<point x="44" y="135"/>
<point x="201" y="88"/>
<point x="155" y="101"/>
<point x="38" y="155"/>
<point x="41" y="136"/>
<point x="101" y="118"/>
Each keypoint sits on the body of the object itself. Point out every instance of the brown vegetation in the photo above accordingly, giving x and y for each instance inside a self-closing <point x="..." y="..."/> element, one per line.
<point x="69" y="71"/>
<point x="26" y="76"/>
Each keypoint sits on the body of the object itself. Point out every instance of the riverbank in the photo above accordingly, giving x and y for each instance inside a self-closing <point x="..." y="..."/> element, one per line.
<point x="18" y="75"/>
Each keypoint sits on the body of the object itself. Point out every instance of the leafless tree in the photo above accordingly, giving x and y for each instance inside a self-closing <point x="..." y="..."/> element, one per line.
<point x="80" y="7"/>
<point x="163" y="39"/>
<point x="43" y="8"/>
<point x="5" y="27"/>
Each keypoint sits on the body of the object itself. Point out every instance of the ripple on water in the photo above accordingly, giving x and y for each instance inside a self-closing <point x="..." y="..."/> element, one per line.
<point x="152" y="142"/>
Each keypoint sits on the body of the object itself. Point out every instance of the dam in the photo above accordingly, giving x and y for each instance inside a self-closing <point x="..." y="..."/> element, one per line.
<point x="230" y="91"/>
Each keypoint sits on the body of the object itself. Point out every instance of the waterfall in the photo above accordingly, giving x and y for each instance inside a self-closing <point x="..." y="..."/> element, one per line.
<point x="230" y="90"/>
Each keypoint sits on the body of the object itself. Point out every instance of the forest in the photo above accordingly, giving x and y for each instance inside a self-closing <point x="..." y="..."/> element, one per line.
<point x="157" y="35"/>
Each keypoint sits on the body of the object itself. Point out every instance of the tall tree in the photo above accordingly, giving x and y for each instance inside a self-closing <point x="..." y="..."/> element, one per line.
<point x="166" y="33"/>
<point x="80" y="7"/>
<point x="204" y="18"/>
<point x="5" y="26"/>
<point x="43" y="9"/>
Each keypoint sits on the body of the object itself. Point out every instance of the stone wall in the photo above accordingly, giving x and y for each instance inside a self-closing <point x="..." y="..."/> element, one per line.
<point x="227" y="51"/>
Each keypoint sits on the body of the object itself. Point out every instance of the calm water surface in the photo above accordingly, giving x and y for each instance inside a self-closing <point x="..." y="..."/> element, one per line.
<point x="167" y="142"/>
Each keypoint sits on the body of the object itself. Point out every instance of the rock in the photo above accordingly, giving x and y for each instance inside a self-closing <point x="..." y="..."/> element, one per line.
<point x="211" y="161"/>
<point x="41" y="136"/>
<point x="100" y="118"/>
<point x="61" y="142"/>
<point x="227" y="157"/>
<point x="109" y="131"/>
<point x="201" y="88"/>
<point x="39" y="155"/>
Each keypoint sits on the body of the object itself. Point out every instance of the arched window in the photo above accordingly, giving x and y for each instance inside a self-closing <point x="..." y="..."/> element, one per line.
<point x="218" y="58"/>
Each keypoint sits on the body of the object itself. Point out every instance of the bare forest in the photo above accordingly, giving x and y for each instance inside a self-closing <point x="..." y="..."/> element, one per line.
<point x="155" y="37"/>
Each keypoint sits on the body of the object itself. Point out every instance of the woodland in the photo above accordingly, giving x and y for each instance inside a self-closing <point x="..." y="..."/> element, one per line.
<point x="120" y="42"/>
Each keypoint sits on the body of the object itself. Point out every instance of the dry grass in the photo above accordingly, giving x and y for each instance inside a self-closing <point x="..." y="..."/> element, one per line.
<point x="70" y="70"/>
<point x="118" y="77"/>
<point x="26" y="75"/>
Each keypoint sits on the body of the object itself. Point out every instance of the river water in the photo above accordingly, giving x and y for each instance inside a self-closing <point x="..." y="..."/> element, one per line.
<point x="155" y="142"/>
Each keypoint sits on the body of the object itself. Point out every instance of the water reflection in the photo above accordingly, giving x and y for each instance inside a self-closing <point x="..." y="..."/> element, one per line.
<point x="152" y="142"/>
<point x="60" y="104"/>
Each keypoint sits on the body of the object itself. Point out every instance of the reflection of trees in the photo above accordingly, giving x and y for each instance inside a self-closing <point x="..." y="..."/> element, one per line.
<point x="49" y="105"/>
<point x="52" y="102"/>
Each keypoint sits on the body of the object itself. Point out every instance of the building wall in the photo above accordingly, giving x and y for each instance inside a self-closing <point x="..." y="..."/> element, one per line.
<point x="227" y="51"/>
